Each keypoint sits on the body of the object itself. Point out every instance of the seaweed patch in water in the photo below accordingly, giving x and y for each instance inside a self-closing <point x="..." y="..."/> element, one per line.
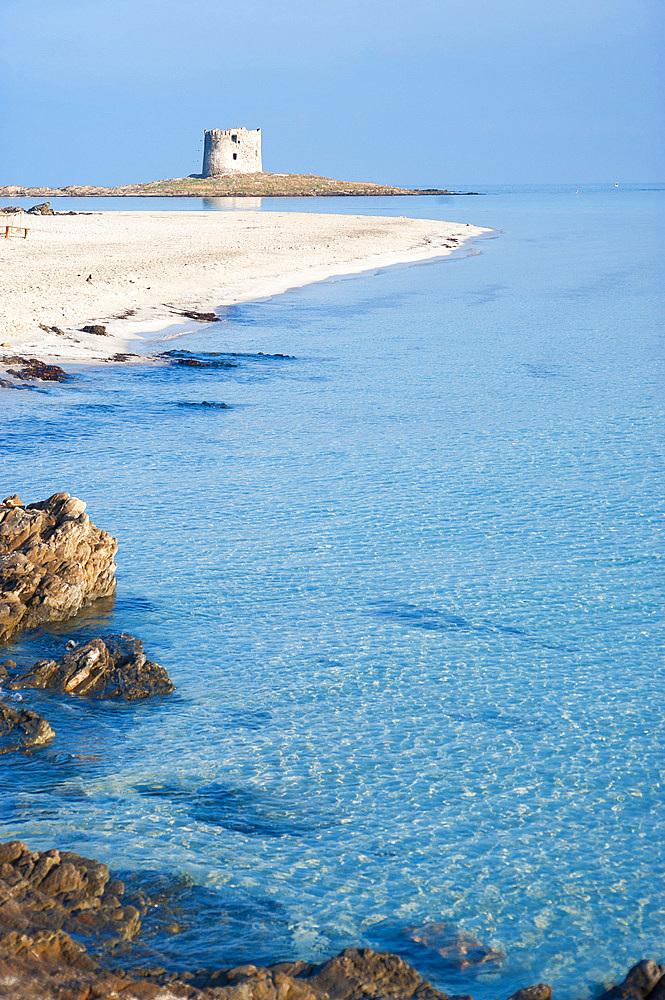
<point x="235" y="809"/>
<point x="203" y="925"/>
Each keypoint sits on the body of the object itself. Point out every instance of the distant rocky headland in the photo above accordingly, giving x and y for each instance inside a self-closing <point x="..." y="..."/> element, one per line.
<point x="254" y="185"/>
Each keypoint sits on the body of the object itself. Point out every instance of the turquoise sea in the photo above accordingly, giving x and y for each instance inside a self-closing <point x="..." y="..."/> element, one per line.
<point x="410" y="589"/>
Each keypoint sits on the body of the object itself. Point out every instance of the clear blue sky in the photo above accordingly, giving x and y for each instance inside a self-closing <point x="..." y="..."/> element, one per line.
<point x="414" y="92"/>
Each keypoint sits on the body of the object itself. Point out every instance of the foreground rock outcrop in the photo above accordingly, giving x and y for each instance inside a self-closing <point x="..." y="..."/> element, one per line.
<point x="62" y="919"/>
<point x="113" y="667"/>
<point x="53" y="560"/>
<point x="21" y="728"/>
<point x="66" y="926"/>
<point x="645" y="981"/>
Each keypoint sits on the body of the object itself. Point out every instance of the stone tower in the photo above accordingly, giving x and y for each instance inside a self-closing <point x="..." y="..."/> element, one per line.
<point x="232" y="151"/>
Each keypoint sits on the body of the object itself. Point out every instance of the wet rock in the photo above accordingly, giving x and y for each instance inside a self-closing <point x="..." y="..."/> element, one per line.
<point x="188" y="360"/>
<point x="199" y="316"/>
<point x="458" y="949"/>
<point x="21" y="729"/>
<point x="541" y="991"/>
<point x="62" y="919"/>
<point x="204" y="402"/>
<point x="6" y="668"/>
<point x="97" y="329"/>
<point x="363" y="972"/>
<point x="6" y="383"/>
<point x="354" y="973"/>
<point x="114" y="667"/>
<point x="46" y="900"/>
<point x="53" y="560"/>
<point x="34" y="368"/>
<point x="646" y="979"/>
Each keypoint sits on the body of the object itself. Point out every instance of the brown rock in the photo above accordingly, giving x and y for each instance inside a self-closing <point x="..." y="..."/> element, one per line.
<point x="22" y="729"/>
<point x="541" y="991"/>
<point x="45" y="890"/>
<point x="114" y="667"/>
<point x="32" y="368"/>
<point x="53" y="560"/>
<point x="642" y="980"/>
<point x="97" y="329"/>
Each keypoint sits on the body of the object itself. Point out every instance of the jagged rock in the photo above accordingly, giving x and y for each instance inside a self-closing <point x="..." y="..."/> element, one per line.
<point x="52" y="329"/>
<point x="646" y="979"/>
<point x="44" y="898"/>
<point x="354" y="973"/>
<point x="34" y="368"/>
<point x="53" y="560"/>
<point x="21" y="729"/>
<point x="62" y="918"/>
<point x="43" y="209"/>
<point x="541" y="991"/>
<point x="458" y="949"/>
<point x="54" y="891"/>
<point x="113" y="667"/>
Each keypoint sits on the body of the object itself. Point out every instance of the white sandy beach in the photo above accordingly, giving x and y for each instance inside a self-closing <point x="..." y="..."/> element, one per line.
<point x="74" y="271"/>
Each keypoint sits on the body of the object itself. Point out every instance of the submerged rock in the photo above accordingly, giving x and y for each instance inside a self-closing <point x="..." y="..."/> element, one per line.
<point x="189" y="360"/>
<point x="206" y="403"/>
<point x="21" y="729"/>
<point x="458" y="949"/>
<point x="113" y="667"/>
<point x="53" y="560"/>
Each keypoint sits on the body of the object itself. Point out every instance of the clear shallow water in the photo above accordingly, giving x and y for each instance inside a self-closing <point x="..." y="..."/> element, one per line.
<point x="410" y="590"/>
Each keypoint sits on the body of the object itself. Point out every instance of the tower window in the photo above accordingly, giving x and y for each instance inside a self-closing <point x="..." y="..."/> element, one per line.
<point x="235" y="156"/>
<point x="234" y="138"/>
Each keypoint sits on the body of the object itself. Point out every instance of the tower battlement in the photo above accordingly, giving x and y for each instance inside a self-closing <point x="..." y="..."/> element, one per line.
<point x="232" y="151"/>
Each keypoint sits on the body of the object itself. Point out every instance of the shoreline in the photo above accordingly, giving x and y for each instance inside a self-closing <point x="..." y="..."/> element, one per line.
<point x="135" y="273"/>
